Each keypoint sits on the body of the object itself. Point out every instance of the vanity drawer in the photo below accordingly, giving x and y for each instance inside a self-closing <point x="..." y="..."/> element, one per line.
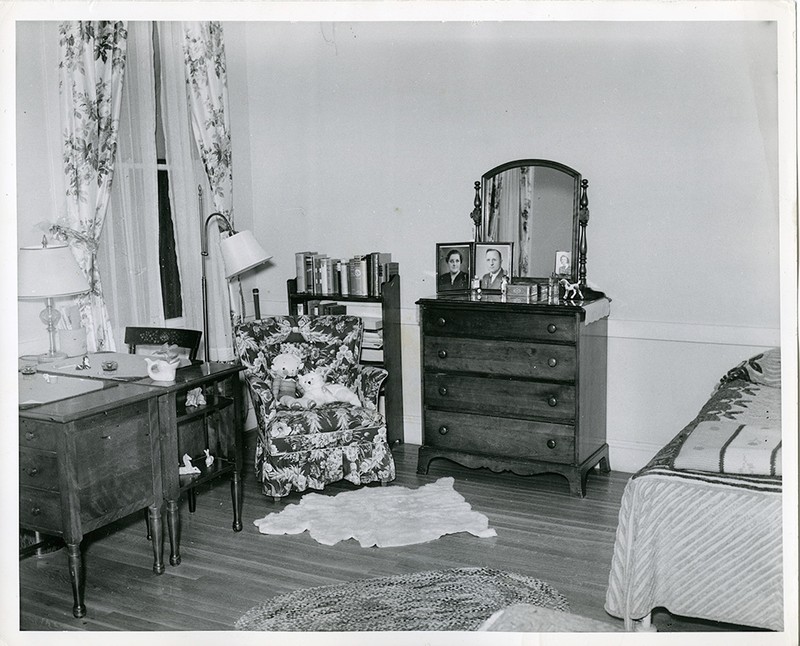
<point x="38" y="469"/>
<point x="500" y="436"/>
<point x="547" y="327"/>
<point x="496" y="396"/>
<point x="36" y="435"/>
<point x="112" y="444"/>
<point x="40" y="510"/>
<point x="502" y="358"/>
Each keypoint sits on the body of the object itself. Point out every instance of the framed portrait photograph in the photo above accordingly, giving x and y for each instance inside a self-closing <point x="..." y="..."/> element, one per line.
<point x="453" y="266"/>
<point x="493" y="260"/>
<point x="563" y="263"/>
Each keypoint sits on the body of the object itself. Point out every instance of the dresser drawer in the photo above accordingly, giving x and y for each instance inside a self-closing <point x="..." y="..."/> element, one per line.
<point x="500" y="436"/>
<point x="526" y="326"/>
<point x="38" y="469"/>
<point x="36" y="435"/>
<point x="501" y="358"/>
<point x="496" y="396"/>
<point x="40" y="510"/>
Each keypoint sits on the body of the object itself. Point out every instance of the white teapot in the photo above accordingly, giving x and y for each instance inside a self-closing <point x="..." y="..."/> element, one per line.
<point x="161" y="370"/>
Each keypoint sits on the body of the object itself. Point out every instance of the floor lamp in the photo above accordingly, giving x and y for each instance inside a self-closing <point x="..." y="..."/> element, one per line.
<point x="240" y="253"/>
<point x="47" y="272"/>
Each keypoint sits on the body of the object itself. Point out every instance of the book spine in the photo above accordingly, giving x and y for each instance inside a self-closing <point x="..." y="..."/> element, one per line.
<point x="308" y="282"/>
<point x="300" y="270"/>
<point x="343" y="282"/>
<point x="363" y="283"/>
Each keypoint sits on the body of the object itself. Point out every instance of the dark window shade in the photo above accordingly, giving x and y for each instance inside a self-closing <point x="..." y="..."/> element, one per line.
<point x="171" y="298"/>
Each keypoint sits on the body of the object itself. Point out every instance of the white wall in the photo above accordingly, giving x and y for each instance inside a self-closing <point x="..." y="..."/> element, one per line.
<point x="352" y="137"/>
<point x="369" y="136"/>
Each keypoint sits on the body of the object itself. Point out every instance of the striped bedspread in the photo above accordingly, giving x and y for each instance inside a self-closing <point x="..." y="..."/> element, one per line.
<point x="703" y="543"/>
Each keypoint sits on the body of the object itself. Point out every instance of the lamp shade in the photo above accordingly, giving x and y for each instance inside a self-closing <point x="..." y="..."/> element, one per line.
<point x="47" y="272"/>
<point x="241" y="252"/>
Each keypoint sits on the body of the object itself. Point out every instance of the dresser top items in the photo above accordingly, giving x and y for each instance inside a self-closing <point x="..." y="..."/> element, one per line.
<point x="529" y="246"/>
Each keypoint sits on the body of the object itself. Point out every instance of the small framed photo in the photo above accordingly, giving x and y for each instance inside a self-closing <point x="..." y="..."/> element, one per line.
<point x="453" y="266"/>
<point x="493" y="260"/>
<point x="563" y="263"/>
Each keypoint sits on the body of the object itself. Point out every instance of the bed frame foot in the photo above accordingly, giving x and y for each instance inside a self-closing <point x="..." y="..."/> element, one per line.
<point x="645" y="624"/>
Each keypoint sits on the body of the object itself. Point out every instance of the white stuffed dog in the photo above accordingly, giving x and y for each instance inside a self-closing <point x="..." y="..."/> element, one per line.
<point x="317" y="392"/>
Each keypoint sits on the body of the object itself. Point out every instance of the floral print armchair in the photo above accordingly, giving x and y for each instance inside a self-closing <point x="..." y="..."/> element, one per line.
<point x="299" y="449"/>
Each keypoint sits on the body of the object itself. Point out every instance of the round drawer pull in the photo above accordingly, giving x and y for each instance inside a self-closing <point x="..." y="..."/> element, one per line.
<point x="442" y="390"/>
<point x="551" y="444"/>
<point x="32" y="471"/>
<point x="30" y="436"/>
<point x="443" y="430"/>
<point x="552" y="362"/>
<point x="442" y="354"/>
<point x="551" y="328"/>
<point x="552" y="401"/>
<point x="441" y="321"/>
<point x="35" y="511"/>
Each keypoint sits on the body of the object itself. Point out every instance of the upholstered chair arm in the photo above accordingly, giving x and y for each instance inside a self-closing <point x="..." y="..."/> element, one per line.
<point x="262" y="397"/>
<point x="368" y="384"/>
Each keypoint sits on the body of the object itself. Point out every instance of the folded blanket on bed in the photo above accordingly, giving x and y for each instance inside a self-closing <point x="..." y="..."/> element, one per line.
<point x="729" y="446"/>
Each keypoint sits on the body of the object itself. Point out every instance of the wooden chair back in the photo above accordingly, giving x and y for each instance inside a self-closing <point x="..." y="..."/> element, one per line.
<point x="189" y="339"/>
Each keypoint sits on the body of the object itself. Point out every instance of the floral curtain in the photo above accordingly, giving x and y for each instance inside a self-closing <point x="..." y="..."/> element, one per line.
<point x="207" y="94"/>
<point x="91" y="71"/>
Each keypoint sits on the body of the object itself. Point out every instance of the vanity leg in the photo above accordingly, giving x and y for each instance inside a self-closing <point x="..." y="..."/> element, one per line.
<point x="237" y="496"/>
<point x="76" y="578"/>
<point x="157" y="537"/>
<point x="173" y="527"/>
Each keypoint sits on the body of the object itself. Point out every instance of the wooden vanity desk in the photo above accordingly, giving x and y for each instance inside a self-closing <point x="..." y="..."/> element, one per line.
<point x="515" y="386"/>
<point x="88" y="460"/>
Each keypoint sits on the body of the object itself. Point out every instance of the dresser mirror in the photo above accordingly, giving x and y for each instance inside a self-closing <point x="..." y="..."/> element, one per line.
<point x="542" y="207"/>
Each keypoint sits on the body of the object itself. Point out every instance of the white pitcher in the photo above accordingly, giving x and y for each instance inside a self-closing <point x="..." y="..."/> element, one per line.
<point x="161" y="370"/>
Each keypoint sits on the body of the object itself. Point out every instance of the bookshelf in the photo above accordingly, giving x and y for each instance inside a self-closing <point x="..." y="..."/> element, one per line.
<point x="389" y="300"/>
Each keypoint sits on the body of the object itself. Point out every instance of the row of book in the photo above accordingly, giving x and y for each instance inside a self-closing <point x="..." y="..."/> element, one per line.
<point x="361" y="275"/>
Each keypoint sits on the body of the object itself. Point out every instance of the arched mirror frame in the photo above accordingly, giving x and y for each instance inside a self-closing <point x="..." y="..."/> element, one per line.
<point x="580" y="213"/>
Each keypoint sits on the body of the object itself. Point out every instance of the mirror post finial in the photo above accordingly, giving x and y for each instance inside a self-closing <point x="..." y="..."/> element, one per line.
<point x="583" y="220"/>
<point x="477" y="215"/>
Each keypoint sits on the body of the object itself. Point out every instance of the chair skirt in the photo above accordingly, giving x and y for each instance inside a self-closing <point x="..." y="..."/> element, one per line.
<point x="310" y="449"/>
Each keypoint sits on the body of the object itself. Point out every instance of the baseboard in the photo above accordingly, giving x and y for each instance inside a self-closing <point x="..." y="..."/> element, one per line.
<point x="629" y="457"/>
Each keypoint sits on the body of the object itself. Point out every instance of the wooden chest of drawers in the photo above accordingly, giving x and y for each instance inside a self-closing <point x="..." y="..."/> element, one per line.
<point x="513" y="386"/>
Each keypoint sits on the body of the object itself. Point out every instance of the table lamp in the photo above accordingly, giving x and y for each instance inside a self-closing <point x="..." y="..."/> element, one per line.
<point x="49" y="271"/>
<point x="240" y="253"/>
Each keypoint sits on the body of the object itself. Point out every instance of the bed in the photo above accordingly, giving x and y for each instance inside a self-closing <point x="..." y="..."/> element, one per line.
<point x="700" y="526"/>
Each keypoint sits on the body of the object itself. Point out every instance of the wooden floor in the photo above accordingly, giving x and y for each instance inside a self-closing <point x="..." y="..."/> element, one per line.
<point x="542" y="532"/>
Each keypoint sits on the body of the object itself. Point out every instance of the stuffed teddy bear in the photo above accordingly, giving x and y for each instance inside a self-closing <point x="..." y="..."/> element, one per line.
<point x="284" y="380"/>
<point x="317" y="392"/>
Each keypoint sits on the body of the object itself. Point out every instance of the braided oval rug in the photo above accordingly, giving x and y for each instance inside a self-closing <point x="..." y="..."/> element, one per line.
<point x="456" y="599"/>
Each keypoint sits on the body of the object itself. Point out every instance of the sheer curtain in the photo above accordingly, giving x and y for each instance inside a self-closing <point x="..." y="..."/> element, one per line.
<point x="91" y="73"/>
<point x="186" y="173"/>
<point x="129" y="246"/>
